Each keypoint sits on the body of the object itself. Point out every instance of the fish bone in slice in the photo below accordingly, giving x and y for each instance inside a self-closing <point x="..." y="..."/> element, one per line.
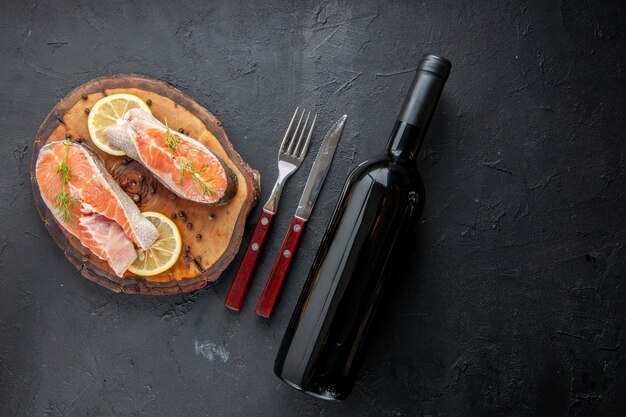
<point x="104" y="218"/>
<point x="185" y="166"/>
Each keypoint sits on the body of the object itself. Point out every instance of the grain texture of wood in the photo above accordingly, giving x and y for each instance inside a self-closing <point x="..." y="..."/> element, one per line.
<point x="212" y="234"/>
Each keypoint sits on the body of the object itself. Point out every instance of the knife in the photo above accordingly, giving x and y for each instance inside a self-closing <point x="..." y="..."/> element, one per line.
<point x="312" y="189"/>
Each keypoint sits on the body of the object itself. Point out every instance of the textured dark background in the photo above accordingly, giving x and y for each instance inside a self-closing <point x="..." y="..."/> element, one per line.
<point x="514" y="303"/>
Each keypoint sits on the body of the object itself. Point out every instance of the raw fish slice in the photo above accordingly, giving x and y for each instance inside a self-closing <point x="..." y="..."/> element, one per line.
<point x="108" y="241"/>
<point x="104" y="218"/>
<point x="188" y="168"/>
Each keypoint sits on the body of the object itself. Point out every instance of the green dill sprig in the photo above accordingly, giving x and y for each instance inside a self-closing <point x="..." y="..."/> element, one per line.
<point x="172" y="142"/>
<point x="63" y="200"/>
<point x="196" y="176"/>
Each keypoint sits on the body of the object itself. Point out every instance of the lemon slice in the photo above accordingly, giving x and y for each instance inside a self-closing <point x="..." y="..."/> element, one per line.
<point x="108" y="111"/>
<point x="164" y="252"/>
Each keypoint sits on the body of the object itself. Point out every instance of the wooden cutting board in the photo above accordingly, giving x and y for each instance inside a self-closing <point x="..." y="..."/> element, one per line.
<point x="221" y="228"/>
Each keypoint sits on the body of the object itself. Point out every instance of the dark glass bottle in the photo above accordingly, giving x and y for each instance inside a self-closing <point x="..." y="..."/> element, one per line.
<point x="323" y="347"/>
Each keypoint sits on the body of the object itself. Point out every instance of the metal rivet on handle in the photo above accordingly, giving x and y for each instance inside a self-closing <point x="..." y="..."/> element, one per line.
<point x="264" y="221"/>
<point x="255" y="247"/>
<point x="296" y="227"/>
<point x="287" y="253"/>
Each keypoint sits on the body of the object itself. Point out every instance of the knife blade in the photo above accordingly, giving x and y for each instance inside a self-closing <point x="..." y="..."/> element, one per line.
<point x="320" y="169"/>
<point x="312" y="189"/>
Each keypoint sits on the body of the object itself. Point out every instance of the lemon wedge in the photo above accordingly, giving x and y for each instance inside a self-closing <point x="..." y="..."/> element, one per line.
<point x="108" y="111"/>
<point x="164" y="252"/>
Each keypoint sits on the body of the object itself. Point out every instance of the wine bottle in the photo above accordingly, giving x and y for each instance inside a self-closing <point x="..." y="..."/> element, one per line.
<point x="323" y="347"/>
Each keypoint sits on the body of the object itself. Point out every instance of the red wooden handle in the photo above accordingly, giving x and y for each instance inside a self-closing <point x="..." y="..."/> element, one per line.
<point x="275" y="281"/>
<point x="239" y="287"/>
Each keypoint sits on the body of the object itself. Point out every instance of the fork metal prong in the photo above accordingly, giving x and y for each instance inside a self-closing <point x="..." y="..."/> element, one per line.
<point x="305" y="147"/>
<point x="295" y="152"/>
<point x="282" y="144"/>
<point x="289" y="149"/>
<point x="290" y="156"/>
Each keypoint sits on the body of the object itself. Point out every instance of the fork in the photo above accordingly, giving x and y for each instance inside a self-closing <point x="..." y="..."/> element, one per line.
<point x="290" y="155"/>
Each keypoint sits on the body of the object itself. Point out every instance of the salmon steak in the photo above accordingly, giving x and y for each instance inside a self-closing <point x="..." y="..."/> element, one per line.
<point x="90" y="205"/>
<point x="182" y="164"/>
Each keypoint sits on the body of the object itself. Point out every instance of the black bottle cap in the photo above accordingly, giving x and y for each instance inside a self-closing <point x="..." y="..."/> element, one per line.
<point x="419" y="106"/>
<point x="435" y="64"/>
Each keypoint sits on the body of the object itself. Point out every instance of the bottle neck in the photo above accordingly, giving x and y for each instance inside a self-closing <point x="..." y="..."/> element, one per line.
<point x="418" y="108"/>
<point x="405" y="141"/>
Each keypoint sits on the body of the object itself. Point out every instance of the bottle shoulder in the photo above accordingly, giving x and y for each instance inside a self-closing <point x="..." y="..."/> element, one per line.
<point x="387" y="171"/>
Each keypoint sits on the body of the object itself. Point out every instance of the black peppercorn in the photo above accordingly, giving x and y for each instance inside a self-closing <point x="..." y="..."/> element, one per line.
<point x="84" y="96"/>
<point x="149" y="102"/>
<point x="173" y="216"/>
<point x="68" y="135"/>
<point x="198" y="236"/>
<point x="181" y="130"/>
<point x="189" y="225"/>
<point x="86" y="110"/>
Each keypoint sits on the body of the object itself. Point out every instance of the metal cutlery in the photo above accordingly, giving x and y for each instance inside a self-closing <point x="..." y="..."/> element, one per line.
<point x="311" y="191"/>
<point x="292" y="151"/>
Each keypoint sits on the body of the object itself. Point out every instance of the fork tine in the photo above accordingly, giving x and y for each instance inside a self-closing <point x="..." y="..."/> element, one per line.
<point x="305" y="147"/>
<point x="295" y="134"/>
<point x="294" y="153"/>
<point x="282" y="144"/>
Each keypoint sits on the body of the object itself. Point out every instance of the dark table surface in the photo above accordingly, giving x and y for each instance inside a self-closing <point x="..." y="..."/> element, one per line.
<point x="514" y="302"/>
